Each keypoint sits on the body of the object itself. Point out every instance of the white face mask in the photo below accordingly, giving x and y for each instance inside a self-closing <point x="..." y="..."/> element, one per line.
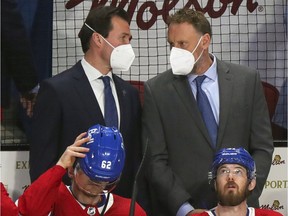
<point x="121" y="57"/>
<point x="183" y="61"/>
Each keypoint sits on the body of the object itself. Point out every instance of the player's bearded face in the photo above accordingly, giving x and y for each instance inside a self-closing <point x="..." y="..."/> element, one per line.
<point x="231" y="194"/>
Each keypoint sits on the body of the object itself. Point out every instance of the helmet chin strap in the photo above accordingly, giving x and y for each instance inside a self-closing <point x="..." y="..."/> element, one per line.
<point x="103" y="201"/>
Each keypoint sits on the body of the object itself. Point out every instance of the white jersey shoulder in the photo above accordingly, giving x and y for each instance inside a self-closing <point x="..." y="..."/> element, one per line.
<point x="251" y="212"/>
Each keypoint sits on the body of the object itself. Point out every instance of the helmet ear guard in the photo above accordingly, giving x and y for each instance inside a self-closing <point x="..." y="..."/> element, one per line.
<point x="233" y="156"/>
<point x="211" y="181"/>
<point x="210" y="177"/>
<point x="105" y="160"/>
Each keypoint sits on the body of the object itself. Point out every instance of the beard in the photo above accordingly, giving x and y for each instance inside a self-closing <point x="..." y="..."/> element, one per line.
<point x="232" y="197"/>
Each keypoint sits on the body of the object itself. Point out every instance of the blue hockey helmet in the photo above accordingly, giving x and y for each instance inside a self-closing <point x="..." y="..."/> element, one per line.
<point x="105" y="160"/>
<point x="234" y="156"/>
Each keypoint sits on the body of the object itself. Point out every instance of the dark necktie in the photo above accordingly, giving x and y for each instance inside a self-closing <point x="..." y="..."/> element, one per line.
<point x="206" y="110"/>
<point x="110" y="110"/>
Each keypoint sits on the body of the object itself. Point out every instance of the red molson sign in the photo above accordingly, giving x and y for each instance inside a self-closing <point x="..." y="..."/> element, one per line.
<point x="167" y="6"/>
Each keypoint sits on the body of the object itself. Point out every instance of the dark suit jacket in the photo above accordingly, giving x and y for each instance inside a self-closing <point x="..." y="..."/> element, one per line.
<point x="180" y="154"/>
<point x="17" y="62"/>
<point x="65" y="107"/>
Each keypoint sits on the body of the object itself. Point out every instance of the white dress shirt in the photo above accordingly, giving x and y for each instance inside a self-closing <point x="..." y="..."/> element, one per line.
<point x="97" y="85"/>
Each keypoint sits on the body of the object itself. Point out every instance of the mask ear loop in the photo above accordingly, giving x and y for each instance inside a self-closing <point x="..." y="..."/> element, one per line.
<point x="89" y="27"/>
<point x="196" y="45"/>
<point x="99" y="34"/>
<point x="199" y="57"/>
<point x="107" y="41"/>
<point x="196" y="48"/>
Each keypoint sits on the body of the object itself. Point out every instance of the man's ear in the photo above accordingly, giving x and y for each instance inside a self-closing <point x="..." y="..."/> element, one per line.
<point x="215" y="185"/>
<point x="252" y="184"/>
<point x="206" y="40"/>
<point x="71" y="172"/>
<point x="97" y="39"/>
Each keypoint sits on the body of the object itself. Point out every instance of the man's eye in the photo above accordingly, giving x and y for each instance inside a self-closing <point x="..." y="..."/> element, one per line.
<point x="238" y="172"/>
<point x="183" y="44"/>
<point x="224" y="171"/>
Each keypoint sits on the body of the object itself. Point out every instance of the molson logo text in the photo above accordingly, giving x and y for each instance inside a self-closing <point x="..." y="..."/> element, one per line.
<point x="275" y="206"/>
<point x="277" y="160"/>
<point x="167" y="6"/>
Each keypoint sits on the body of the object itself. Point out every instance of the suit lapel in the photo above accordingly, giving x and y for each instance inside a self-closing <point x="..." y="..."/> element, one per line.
<point x="121" y="93"/>
<point x="184" y="92"/>
<point x="86" y="94"/>
<point x="225" y="81"/>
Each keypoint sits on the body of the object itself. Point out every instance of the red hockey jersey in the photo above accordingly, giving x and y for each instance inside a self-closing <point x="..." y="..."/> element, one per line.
<point x="49" y="195"/>
<point x="7" y="207"/>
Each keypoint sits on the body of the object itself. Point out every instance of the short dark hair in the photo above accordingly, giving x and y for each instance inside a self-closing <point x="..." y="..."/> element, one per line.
<point x="195" y="18"/>
<point x="99" y="19"/>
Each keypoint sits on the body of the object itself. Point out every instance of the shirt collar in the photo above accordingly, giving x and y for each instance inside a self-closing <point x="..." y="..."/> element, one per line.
<point x="91" y="72"/>
<point x="211" y="73"/>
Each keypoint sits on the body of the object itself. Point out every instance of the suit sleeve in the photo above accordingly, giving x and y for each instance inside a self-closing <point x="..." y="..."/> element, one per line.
<point x="166" y="184"/>
<point x="261" y="141"/>
<point x="17" y="55"/>
<point x="46" y="131"/>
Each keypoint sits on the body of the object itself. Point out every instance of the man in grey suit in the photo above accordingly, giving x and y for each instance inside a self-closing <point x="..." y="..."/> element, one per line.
<point x="181" y="141"/>
<point x="72" y="101"/>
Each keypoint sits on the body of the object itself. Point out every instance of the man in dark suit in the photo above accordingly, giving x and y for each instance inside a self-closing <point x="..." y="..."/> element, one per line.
<point x="72" y="101"/>
<point x="181" y="144"/>
<point x="17" y="60"/>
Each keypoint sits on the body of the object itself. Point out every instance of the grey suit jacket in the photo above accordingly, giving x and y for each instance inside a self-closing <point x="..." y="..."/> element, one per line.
<point x="65" y="107"/>
<point x="180" y="154"/>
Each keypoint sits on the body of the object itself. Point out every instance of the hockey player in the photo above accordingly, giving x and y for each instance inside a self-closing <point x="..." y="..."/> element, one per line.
<point x="94" y="164"/>
<point x="234" y="177"/>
